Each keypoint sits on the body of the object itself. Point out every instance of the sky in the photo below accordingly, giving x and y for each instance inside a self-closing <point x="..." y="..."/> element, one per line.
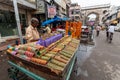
<point x="84" y="3"/>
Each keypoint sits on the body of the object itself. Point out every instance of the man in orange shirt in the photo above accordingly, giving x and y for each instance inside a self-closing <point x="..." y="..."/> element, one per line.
<point x="31" y="32"/>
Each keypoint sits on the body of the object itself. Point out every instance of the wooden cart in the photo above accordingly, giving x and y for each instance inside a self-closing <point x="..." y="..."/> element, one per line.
<point x="35" y="73"/>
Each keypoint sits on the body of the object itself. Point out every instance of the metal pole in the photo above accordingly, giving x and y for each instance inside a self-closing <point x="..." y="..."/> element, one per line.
<point x="18" y="20"/>
<point x="85" y="18"/>
<point x="46" y="11"/>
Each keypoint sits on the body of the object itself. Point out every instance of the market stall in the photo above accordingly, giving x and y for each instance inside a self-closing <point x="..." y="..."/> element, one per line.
<point x="60" y="23"/>
<point x="52" y="60"/>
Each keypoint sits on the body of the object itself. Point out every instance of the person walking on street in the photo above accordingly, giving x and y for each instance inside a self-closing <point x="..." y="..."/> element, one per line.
<point x="111" y="32"/>
<point x="98" y="28"/>
<point x="107" y="33"/>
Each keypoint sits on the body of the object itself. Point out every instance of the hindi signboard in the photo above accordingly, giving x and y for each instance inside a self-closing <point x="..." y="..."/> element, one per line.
<point x="51" y="11"/>
<point x="40" y="6"/>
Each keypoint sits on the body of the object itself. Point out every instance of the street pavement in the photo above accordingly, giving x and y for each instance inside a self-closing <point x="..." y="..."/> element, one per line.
<point x="3" y="66"/>
<point x="94" y="62"/>
<point x="98" y="62"/>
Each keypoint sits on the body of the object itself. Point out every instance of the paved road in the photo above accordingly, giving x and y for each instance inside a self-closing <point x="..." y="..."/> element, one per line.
<point x="99" y="62"/>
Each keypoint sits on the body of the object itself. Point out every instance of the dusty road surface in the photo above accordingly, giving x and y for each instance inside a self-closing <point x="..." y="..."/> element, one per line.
<point x="99" y="62"/>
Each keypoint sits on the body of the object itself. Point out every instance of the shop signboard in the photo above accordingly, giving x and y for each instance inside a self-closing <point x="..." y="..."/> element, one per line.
<point x="40" y="6"/>
<point x="51" y="11"/>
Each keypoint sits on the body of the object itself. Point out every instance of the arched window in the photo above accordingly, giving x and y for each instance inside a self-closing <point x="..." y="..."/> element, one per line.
<point x="104" y="11"/>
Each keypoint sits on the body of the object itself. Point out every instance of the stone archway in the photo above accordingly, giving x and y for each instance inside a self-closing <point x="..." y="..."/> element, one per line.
<point x="99" y="10"/>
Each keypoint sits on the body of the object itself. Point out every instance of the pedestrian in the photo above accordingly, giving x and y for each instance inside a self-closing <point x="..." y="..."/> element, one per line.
<point x="107" y="33"/>
<point x="31" y="32"/>
<point x="98" y="28"/>
<point x="111" y="32"/>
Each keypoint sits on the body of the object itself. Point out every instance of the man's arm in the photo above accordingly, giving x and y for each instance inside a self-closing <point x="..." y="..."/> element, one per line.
<point x="29" y="35"/>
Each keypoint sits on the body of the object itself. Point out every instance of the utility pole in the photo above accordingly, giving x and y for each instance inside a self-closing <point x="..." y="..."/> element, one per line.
<point x="46" y="10"/>
<point x="18" y="20"/>
<point x="84" y="21"/>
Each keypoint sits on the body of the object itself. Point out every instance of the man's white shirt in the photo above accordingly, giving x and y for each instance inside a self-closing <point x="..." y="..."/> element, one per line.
<point x="111" y="29"/>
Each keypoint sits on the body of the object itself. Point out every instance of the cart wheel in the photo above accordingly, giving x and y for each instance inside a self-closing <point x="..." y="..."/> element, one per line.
<point x="12" y="73"/>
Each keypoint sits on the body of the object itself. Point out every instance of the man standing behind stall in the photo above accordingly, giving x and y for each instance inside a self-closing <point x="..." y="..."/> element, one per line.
<point x="31" y="32"/>
<point x="47" y="28"/>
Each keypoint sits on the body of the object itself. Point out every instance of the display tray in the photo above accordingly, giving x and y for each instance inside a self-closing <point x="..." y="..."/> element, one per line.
<point x="41" y="70"/>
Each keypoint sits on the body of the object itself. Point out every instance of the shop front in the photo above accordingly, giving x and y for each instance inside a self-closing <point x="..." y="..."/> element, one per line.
<point x="8" y="26"/>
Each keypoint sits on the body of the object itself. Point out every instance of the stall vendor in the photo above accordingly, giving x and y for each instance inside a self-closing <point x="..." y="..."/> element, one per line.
<point x="31" y="32"/>
<point x="47" y="28"/>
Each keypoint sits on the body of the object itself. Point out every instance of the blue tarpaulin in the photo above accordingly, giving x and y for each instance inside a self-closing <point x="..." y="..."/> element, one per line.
<point x="65" y="19"/>
<point x="56" y="18"/>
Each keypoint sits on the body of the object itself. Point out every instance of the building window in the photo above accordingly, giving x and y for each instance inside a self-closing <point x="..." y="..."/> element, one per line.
<point x="77" y="11"/>
<point x="104" y="11"/>
<point x="63" y="9"/>
<point x="8" y="25"/>
<point x="72" y="12"/>
<point x="77" y="17"/>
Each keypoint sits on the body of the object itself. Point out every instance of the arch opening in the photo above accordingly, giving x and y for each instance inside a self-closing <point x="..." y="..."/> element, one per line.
<point x="92" y="18"/>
